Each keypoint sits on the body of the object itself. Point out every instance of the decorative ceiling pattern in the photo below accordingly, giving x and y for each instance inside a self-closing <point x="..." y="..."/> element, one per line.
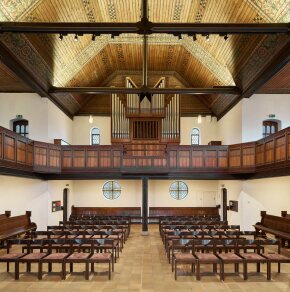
<point x="237" y="61"/>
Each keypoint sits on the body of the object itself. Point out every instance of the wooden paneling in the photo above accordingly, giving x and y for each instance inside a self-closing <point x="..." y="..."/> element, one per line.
<point x="265" y="154"/>
<point x="47" y="157"/>
<point x="104" y="211"/>
<point x="15" y="150"/>
<point x="183" y="211"/>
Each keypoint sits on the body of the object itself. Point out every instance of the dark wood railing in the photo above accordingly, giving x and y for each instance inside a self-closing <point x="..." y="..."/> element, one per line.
<point x="272" y="152"/>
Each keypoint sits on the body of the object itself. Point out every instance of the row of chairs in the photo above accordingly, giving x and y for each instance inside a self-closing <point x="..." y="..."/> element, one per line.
<point x="63" y="251"/>
<point x="116" y="228"/>
<point x="217" y="252"/>
<point x="208" y="235"/>
<point x="169" y="228"/>
<point x="192" y="222"/>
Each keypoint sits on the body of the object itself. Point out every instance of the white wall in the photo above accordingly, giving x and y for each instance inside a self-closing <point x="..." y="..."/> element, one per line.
<point x="89" y="193"/>
<point x="23" y="194"/>
<point x="60" y="126"/>
<point x="229" y="127"/>
<point x="82" y="127"/>
<point x="257" y="109"/>
<point x="31" y="106"/>
<point x="159" y="196"/>
<point x="208" y="129"/>
<point x="46" y="121"/>
<point x="269" y="194"/>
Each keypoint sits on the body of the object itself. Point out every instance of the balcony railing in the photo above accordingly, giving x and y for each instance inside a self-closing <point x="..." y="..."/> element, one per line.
<point x="17" y="152"/>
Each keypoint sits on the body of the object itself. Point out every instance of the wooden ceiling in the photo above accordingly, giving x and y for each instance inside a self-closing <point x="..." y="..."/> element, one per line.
<point x="240" y="61"/>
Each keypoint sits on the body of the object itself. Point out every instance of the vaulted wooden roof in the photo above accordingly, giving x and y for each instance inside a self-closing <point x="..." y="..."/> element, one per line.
<point x="243" y="60"/>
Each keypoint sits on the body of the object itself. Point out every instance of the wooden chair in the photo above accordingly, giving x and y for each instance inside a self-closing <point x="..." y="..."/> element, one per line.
<point x="182" y="253"/>
<point x="51" y="258"/>
<point x="206" y="257"/>
<point x="77" y="257"/>
<point x="253" y="257"/>
<point x="31" y="256"/>
<point x="274" y="257"/>
<point x="102" y="256"/>
<point x="229" y="257"/>
<point x="12" y="257"/>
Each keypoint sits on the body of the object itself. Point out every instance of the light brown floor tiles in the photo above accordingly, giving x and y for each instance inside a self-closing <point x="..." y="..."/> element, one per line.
<point x="143" y="266"/>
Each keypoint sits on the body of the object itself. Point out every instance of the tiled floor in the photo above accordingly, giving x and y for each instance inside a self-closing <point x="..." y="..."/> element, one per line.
<point x="143" y="266"/>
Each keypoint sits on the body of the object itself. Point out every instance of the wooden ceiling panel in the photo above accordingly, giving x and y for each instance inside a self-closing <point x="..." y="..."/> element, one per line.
<point x="9" y="82"/>
<point x="279" y="83"/>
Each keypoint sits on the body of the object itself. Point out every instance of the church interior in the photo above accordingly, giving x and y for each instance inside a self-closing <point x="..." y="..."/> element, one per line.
<point x="145" y="145"/>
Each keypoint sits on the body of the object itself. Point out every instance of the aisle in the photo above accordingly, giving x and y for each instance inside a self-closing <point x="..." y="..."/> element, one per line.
<point x="143" y="266"/>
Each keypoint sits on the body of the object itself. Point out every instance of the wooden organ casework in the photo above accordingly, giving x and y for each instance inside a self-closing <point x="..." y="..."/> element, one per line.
<point x="145" y="119"/>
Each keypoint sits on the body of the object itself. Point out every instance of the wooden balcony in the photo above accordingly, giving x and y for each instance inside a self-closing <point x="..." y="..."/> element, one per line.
<point x="266" y="157"/>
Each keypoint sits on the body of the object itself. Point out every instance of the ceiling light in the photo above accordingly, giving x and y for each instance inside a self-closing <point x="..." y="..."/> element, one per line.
<point x="199" y="119"/>
<point x="226" y="37"/>
<point x="91" y="120"/>
<point x="60" y="37"/>
<point x="194" y="37"/>
<point x="207" y="37"/>
<point x="93" y="37"/>
<point x="76" y="38"/>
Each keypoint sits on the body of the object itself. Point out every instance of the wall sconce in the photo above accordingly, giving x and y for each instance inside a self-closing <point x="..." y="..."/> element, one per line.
<point x="199" y="119"/>
<point x="91" y="120"/>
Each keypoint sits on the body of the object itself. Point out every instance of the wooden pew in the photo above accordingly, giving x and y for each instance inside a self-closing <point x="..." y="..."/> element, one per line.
<point x="11" y="227"/>
<point x="7" y="214"/>
<point x="183" y="211"/>
<point x="278" y="226"/>
<point x="285" y="214"/>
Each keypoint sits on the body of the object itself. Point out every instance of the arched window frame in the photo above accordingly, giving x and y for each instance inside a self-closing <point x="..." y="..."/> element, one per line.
<point x="270" y="127"/>
<point x="21" y="127"/>
<point x="95" y="136"/>
<point x="195" y="136"/>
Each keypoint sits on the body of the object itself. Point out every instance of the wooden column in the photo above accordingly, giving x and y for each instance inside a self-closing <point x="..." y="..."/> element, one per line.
<point x="224" y="202"/>
<point x="145" y="206"/>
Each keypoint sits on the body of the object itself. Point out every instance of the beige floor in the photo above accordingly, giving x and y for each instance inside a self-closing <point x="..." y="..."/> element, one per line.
<point x="143" y="267"/>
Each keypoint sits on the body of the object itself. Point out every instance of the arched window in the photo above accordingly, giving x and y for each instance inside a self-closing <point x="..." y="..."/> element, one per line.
<point x="20" y="126"/>
<point x="270" y="127"/>
<point x="195" y="137"/>
<point x="95" y="136"/>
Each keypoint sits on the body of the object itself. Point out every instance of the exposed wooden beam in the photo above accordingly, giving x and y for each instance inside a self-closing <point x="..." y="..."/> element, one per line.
<point x="19" y="70"/>
<point x="282" y="59"/>
<point x="121" y="90"/>
<point x="143" y="27"/>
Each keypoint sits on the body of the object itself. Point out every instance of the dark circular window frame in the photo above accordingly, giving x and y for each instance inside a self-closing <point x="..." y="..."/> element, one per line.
<point x="115" y="193"/>
<point x="177" y="191"/>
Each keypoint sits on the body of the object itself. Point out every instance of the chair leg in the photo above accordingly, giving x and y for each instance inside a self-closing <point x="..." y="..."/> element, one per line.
<point x="7" y="267"/>
<point x="222" y="271"/>
<point x="92" y="267"/>
<point x="172" y="264"/>
<point x="258" y="268"/>
<point x="113" y="265"/>
<point x="109" y="270"/>
<point x="87" y="270"/>
<point x="245" y="271"/>
<point x="214" y="268"/>
<point x="268" y="270"/>
<point x="49" y="267"/>
<point x="71" y="267"/>
<point x="40" y="270"/>
<point x="17" y="270"/>
<point x="279" y="268"/>
<point x="175" y="269"/>
<point x="63" y="270"/>
<point x="198" y="271"/>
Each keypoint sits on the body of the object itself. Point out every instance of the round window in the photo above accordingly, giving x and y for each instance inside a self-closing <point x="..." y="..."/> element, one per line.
<point x="178" y="190"/>
<point x="111" y="190"/>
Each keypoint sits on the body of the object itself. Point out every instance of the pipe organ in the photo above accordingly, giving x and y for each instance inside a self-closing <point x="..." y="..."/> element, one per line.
<point x="149" y="118"/>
